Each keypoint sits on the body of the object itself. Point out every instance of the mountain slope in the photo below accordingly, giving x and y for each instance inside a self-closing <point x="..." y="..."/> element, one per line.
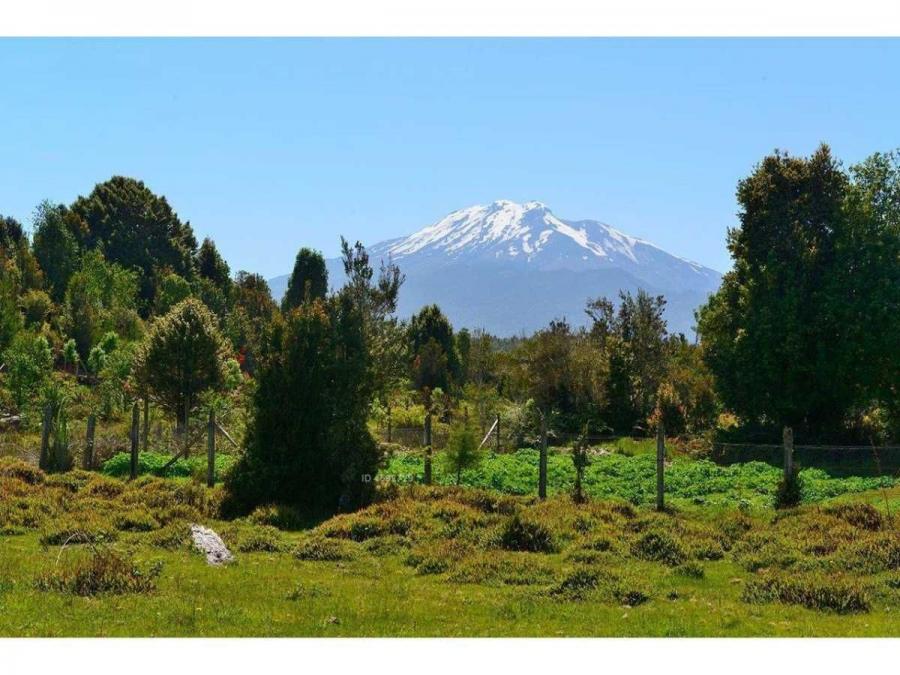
<point x="511" y="267"/>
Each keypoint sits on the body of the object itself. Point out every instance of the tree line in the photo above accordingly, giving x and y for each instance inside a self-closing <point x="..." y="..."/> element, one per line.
<point x="112" y="299"/>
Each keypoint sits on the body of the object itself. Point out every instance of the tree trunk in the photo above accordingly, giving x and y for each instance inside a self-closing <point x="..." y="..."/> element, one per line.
<point x="389" y="425"/>
<point x="88" y="459"/>
<point x="787" y="436"/>
<point x="184" y="423"/>
<point x="135" y="425"/>
<point x="660" y="466"/>
<point x="542" y="463"/>
<point x="146" y="431"/>
<point x="211" y="450"/>
<point x="44" y="461"/>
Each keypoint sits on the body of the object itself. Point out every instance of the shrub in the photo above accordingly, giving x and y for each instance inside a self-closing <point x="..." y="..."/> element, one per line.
<point x="104" y="571"/>
<point x="135" y="520"/>
<point x="462" y="451"/>
<point x="437" y="557"/>
<point x="523" y="535"/>
<point x="102" y="486"/>
<point x="632" y="597"/>
<point x="505" y="568"/>
<point x="87" y="531"/>
<point x="16" y="468"/>
<point x="319" y="549"/>
<point x="259" y="539"/>
<point x="659" y="547"/>
<point x="789" y="491"/>
<point x="690" y="569"/>
<point x="171" y="537"/>
<point x="389" y="545"/>
<point x="823" y="594"/>
<point x="279" y="516"/>
<point x="577" y="584"/>
<point x="863" y="516"/>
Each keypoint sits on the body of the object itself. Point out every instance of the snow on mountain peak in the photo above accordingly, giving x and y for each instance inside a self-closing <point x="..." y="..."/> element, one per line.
<point x="506" y="229"/>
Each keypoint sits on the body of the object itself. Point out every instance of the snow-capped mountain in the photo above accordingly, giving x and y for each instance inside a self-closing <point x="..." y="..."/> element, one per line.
<point x="510" y="267"/>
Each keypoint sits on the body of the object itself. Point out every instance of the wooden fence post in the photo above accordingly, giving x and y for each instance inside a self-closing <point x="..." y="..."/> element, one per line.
<point x="660" y="466"/>
<point x="44" y="461"/>
<point x="211" y="450"/>
<point x="61" y="458"/>
<point x="497" y="439"/>
<point x="145" y="434"/>
<point x="542" y="460"/>
<point x="135" y="424"/>
<point x="787" y="436"/>
<point x="88" y="459"/>
<point x="389" y="425"/>
<point x="428" y="447"/>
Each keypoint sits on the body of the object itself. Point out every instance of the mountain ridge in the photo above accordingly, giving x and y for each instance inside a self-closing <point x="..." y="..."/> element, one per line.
<point x="511" y="268"/>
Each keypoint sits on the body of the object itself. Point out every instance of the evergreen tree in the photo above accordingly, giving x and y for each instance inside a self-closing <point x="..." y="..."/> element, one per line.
<point x="211" y="265"/>
<point x="135" y="229"/>
<point x="182" y="357"/>
<point x="308" y="280"/>
<point x="783" y="335"/>
<point x="308" y="444"/>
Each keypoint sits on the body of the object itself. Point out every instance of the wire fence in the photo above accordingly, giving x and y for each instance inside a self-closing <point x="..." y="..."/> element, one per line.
<point x="836" y="460"/>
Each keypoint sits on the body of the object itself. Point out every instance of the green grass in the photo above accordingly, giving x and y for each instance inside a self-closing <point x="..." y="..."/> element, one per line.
<point x="633" y="478"/>
<point x="153" y="463"/>
<point x="440" y="561"/>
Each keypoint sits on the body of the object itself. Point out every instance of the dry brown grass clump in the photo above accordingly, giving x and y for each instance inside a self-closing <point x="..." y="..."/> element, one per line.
<point x="102" y="571"/>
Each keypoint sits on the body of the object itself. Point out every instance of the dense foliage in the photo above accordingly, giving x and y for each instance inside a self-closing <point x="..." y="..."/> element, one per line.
<point x="805" y="329"/>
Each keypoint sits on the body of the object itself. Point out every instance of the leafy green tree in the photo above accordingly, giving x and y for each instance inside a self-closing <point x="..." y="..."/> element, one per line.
<point x="11" y="234"/>
<point x="55" y="247"/>
<point x="10" y="316"/>
<point x="633" y="339"/>
<point x="70" y="355"/>
<point x="101" y="297"/>
<point x="29" y="363"/>
<point x="462" y="451"/>
<point x="815" y="271"/>
<point x="172" y="289"/>
<point x="376" y="300"/>
<point x="182" y="357"/>
<point x="308" y="280"/>
<point x="247" y="322"/>
<point x="115" y="375"/>
<point x="36" y="307"/>
<point x="428" y="325"/>
<point x="308" y="444"/>
<point x="869" y="273"/>
<point x="137" y="230"/>
<point x="547" y="372"/>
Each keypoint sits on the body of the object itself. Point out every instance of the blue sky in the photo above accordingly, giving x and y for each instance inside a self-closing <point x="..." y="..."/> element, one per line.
<point x="268" y="145"/>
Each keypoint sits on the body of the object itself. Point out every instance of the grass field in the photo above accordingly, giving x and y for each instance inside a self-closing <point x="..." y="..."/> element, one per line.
<point x="629" y="473"/>
<point x="438" y="561"/>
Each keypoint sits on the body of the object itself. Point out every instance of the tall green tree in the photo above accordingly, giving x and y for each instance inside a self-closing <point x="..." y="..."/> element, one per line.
<point x="136" y="229"/>
<point x="308" y="444"/>
<point x="101" y="297"/>
<point x="55" y="247"/>
<point x="815" y="268"/>
<point x="308" y="280"/>
<point x="181" y="358"/>
<point x="211" y="265"/>
<point x="430" y="324"/>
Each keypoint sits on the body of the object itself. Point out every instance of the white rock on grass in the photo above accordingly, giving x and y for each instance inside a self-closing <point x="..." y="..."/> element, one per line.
<point x="211" y="545"/>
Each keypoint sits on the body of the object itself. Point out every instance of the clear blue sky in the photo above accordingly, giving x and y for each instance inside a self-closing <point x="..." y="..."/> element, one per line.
<point x="268" y="145"/>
